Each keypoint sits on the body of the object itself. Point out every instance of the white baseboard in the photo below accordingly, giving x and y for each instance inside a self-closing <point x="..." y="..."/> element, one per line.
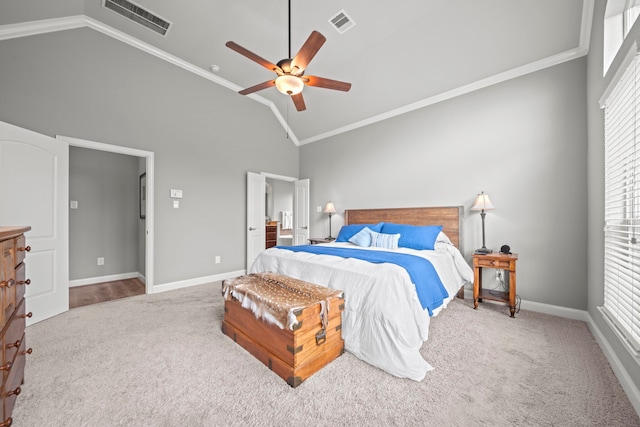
<point x="196" y="281"/>
<point x="102" y="279"/>
<point x="629" y="387"/>
<point x="621" y="373"/>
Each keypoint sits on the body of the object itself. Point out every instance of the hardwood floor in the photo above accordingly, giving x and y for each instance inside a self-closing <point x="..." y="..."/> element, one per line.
<point x="101" y="292"/>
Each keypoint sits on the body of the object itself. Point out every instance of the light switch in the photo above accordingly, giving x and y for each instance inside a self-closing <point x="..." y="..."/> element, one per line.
<point x="176" y="194"/>
<point x="176" y="204"/>
<point x="74" y="204"/>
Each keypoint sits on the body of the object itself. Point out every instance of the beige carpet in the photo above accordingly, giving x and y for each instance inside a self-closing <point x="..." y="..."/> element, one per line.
<point x="161" y="360"/>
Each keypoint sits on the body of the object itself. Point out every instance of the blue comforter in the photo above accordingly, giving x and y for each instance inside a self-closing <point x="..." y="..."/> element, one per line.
<point x="431" y="292"/>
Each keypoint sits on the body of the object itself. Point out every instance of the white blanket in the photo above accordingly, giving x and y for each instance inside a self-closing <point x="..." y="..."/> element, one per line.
<point x="383" y="322"/>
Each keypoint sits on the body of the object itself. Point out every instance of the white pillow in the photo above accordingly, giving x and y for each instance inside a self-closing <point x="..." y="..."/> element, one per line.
<point x="362" y="237"/>
<point x="386" y="241"/>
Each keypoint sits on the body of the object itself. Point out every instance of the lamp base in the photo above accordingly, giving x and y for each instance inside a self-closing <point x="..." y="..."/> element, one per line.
<point x="483" y="251"/>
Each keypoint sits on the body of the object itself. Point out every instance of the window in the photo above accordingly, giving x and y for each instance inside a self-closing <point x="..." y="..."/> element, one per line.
<point x="622" y="206"/>
<point x="619" y="17"/>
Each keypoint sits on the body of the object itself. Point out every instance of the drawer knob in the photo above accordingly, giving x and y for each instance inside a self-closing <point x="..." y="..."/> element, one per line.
<point x="9" y="283"/>
<point x="17" y="391"/>
<point x="25" y="249"/>
<point x="29" y="314"/>
<point x="6" y="366"/>
<point x="14" y="344"/>
<point x="27" y="351"/>
<point x="24" y="282"/>
<point x="7" y="422"/>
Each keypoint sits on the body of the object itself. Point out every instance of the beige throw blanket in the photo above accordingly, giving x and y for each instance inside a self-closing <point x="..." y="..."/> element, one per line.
<point x="275" y="297"/>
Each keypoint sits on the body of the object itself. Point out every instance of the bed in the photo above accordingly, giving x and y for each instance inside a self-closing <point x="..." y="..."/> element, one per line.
<point x="385" y="321"/>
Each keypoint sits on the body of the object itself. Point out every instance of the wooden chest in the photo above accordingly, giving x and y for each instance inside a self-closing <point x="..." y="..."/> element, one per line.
<point x="291" y="326"/>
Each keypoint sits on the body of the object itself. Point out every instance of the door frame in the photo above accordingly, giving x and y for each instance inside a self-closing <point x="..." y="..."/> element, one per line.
<point x="149" y="220"/>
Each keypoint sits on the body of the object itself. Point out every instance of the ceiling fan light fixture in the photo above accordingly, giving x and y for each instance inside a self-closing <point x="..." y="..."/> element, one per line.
<point x="289" y="85"/>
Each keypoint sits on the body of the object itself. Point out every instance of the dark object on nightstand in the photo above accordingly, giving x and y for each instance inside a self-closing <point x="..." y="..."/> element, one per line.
<point x="505" y="249"/>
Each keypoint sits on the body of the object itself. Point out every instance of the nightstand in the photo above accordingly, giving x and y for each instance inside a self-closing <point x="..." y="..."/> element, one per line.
<point x="506" y="262"/>
<point x="316" y="240"/>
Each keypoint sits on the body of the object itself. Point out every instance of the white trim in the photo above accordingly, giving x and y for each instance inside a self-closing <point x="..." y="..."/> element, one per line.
<point x="621" y="373"/>
<point x="462" y="90"/>
<point x="60" y="24"/>
<point x="32" y="28"/>
<point x="150" y="217"/>
<point x="279" y="177"/>
<point x="586" y="24"/>
<point x="554" y="310"/>
<point x="102" y="279"/>
<point x="629" y="387"/>
<point x="197" y="281"/>
<point x="622" y="68"/>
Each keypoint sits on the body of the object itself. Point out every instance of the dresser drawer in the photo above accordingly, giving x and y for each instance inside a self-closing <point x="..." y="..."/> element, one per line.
<point x="7" y="262"/>
<point x="14" y="334"/>
<point x="21" y="283"/>
<point x="21" y="249"/>
<point x="11" y="387"/>
<point x="493" y="263"/>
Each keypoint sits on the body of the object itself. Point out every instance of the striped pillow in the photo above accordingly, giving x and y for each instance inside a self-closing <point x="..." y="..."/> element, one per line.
<point x="386" y="241"/>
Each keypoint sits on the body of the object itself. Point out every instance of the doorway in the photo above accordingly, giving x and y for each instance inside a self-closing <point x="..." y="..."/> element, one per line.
<point x="146" y="224"/>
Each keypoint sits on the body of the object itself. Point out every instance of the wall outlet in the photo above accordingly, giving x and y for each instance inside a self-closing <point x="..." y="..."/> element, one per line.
<point x="100" y="261"/>
<point x="217" y="259"/>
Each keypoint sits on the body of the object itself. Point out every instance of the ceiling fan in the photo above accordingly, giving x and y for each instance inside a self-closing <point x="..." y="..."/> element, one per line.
<point x="291" y="79"/>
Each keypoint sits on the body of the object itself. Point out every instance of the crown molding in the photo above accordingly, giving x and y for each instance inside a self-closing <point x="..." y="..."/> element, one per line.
<point x="32" y="28"/>
<point x="23" y="29"/>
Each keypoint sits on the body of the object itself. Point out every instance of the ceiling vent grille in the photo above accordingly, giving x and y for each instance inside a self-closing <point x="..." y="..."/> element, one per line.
<point x="342" y="22"/>
<point x="138" y="14"/>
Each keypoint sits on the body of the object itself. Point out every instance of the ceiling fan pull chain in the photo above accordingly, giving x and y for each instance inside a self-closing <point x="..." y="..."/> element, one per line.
<point x="289" y="29"/>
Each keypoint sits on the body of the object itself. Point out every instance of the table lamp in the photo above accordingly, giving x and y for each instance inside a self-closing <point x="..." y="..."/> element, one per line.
<point x="330" y="209"/>
<point x="482" y="204"/>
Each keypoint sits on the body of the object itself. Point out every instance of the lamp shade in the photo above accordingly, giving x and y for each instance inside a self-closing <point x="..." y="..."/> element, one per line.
<point x="289" y="85"/>
<point x="482" y="203"/>
<point x="330" y="209"/>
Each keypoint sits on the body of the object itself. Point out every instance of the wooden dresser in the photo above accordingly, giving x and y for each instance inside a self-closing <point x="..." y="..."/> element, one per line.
<point x="12" y="317"/>
<point x="271" y="234"/>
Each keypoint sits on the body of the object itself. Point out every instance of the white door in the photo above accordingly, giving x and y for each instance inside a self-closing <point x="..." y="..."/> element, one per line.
<point x="34" y="189"/>
<point x="255" y="216"/>
<point x="301" y="212"/>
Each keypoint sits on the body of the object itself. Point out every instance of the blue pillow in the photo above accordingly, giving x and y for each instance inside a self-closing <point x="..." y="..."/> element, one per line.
<point x="348" y="231"/>
<point x="414" y="236"/>
<point x="386" y="241"/>
<point x="362" y="237"/>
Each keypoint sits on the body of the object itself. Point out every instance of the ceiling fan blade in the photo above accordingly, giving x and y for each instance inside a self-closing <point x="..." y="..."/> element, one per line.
<point x="257" y="87"/>
<point x="307" y="52"/>
<point x="326" y="83"/>
<point x="252" y="56"/>
<point x="298" y="101"/>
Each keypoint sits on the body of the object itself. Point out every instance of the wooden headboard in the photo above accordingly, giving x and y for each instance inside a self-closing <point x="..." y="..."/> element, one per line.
<point x="449" y="217"/>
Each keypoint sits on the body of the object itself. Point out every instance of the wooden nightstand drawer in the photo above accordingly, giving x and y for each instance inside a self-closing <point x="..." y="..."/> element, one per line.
<point x="493" y="263"/>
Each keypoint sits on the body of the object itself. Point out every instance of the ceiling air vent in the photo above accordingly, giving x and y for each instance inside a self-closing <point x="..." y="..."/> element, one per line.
<point x="342" y="22"/>
<point x="139" y="15"/>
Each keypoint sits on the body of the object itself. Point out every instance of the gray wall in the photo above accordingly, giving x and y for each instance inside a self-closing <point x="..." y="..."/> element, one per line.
<point x="83" y="84"/>
<point x="596" y="87"/>
<point x="105" y="185"/>
<point x="523" y="142"/>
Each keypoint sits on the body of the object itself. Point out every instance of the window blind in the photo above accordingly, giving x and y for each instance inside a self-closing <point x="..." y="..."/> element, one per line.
<point x="622" y="207"/>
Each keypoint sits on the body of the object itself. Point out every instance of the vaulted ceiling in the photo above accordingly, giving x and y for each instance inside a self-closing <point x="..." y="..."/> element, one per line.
<point x="400" y="55"/>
